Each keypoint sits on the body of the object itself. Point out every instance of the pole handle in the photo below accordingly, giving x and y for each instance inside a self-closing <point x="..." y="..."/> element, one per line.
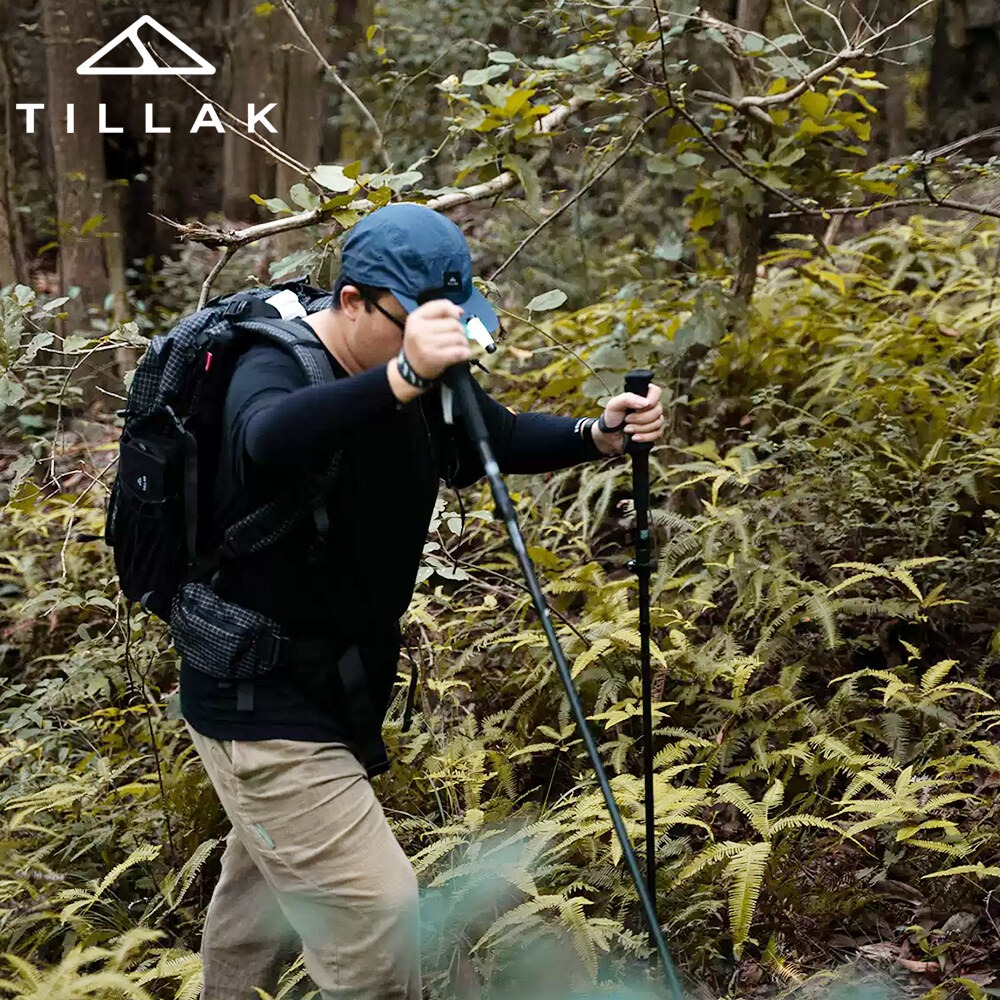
<point x="638" y="382"/>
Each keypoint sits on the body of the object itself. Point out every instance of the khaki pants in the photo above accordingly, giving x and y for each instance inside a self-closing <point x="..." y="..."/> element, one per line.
<point x="310" y="860"/>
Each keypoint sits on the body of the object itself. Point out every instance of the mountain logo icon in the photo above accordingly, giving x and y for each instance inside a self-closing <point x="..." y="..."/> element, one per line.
<point x="150" y="67"/>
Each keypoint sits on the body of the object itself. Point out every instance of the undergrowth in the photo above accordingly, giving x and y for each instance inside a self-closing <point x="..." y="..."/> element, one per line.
<point x="824" y="640"/>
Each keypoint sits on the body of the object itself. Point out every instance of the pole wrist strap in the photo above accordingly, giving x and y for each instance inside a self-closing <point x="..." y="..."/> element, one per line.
<point x="602" y="425"/>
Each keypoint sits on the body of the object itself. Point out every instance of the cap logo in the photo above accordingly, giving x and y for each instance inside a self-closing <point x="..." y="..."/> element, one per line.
<point x="452" y="280"/>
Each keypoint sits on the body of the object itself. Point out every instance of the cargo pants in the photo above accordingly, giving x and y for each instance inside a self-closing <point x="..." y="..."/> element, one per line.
<point x="310" y="863"/>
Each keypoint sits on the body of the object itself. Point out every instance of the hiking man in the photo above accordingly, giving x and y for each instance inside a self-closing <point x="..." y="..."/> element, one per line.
<point x="311" y="859"/>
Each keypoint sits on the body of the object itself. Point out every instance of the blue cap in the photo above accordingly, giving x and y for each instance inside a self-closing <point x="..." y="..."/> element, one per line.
<point x="418" y="255"/>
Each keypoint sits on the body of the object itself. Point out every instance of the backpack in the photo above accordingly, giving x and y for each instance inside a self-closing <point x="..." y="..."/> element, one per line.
<point x="159" y="517"/>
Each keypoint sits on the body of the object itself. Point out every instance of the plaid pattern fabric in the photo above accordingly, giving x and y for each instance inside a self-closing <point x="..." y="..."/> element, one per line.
<point x="212" y="635"/>
<point x="219" y="638"/>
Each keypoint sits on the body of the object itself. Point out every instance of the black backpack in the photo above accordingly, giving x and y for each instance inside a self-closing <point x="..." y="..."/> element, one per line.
<point x="159" y="519"/>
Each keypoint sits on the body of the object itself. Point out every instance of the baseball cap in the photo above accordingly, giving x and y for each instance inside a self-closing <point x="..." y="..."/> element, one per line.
<point x="418" y="255"/>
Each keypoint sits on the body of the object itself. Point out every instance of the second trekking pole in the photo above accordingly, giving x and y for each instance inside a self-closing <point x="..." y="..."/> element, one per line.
<point x="459" y="380"/>
<point x="638" y="382"/>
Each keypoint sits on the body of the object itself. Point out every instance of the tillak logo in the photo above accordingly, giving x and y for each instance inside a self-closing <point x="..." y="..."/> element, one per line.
<point x="149" y="67"/>
<point x="193" y="65"/>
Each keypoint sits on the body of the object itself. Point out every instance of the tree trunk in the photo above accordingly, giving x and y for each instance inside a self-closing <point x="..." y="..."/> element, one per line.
<point x="298" y="75"/>
<point x="750" y="18"/>
<point x="247" y="169"/>
<point x="71" y="28"/>
<point x="352" y="19"/>
<point x="964" y="89"/>
<point x="12" y="262"/>
<point x="299" y="79"/>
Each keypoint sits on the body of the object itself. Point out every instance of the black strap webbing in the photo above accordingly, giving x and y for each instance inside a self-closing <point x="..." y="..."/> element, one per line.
<point x="364" y="722"/>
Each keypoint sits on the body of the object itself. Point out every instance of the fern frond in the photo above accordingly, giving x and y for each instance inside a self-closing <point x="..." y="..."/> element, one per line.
<point x="747" y="870"/>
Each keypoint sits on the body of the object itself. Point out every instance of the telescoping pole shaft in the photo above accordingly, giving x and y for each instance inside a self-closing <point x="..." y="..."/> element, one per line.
<point x="638" y="382"/>
<point x="459" y="380"/>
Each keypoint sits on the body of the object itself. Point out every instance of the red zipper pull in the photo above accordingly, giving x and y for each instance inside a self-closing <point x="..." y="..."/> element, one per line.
<point x="208" y="360"/>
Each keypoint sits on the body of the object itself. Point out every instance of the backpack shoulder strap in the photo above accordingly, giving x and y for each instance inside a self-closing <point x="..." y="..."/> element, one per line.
<point x="303" y="345"/>
<point x="269" y="524"/>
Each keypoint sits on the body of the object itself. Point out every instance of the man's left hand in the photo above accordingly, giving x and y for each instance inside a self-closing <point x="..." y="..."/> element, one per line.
<point x="644" y="424"/>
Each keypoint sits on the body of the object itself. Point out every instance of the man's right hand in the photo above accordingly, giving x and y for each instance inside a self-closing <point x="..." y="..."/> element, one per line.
<point x="435" y="338"/>
<point x="433" y="341"/>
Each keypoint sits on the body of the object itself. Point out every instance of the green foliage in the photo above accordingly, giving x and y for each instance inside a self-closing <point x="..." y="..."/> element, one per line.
<point x="823" y="642"/>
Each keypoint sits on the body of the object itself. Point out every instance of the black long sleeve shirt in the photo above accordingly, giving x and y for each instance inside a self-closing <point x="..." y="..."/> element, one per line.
<point x="276" y="432"/>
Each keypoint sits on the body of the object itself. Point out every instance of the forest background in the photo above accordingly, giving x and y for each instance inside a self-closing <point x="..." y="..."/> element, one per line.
<point x="787" y="209"/>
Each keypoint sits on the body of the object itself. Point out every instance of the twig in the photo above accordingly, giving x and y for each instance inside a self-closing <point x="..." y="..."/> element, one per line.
<point x="663" y="44"/>
<point x="957" y="206"/>
<point x="340" y="82"/>
<point x="569" y="350"/>
<point x="260" y="141"/>
<point x="579" y="194"/>
<point x="227" y="256"/>
<point x="833" y="17"/>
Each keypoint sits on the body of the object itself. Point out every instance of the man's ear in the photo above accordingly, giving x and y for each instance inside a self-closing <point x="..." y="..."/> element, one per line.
<point x="351" y="302"/>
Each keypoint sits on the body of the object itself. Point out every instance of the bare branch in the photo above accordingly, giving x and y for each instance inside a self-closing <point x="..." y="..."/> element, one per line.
<point x="340" y="82"/>
<point x="260" y="141"/>
<point x="224" y="259"/>
<point x="826" y="12"/>
<point x="956" y="206"/>
<point x="745" y="104"/>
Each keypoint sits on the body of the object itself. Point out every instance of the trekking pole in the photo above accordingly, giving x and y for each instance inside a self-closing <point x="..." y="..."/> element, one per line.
<point x="459" y="380"/>
<point x="638" y="383"/>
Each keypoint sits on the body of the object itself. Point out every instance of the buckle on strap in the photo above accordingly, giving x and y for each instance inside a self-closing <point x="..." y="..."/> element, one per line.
<point x="271" y="649"/>
<point x="236" y="308"/>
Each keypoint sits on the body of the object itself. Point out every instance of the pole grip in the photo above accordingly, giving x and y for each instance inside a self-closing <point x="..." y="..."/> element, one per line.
<point x="638" y="382"/>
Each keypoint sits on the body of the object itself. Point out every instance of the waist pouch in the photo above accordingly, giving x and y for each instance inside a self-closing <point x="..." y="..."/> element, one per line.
<point x="233" y="643"/>
<point x="222" y="639"/>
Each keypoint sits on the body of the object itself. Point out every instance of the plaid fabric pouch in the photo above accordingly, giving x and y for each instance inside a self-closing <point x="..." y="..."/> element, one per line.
<point x="222" y="639"/>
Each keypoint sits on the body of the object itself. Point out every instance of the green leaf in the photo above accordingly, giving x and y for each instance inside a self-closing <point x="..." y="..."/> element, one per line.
<point x="517" y="100"/>
<point x="747" y="870"/>
<point x="21" y="468"/>
<point x="707" y="216"/>
<point x="670" y="247"/>
<point x="331" y="176"/>
<point x="275" y="205"/>
<point x="661" y="163"/>
<point x="399" y="181"/>
<point x="477" y="77"/>
<point x="547" y="300"/>
<point x="76" y="343"/>
<point x="11" y="392"/>
<point x="501" y="56"/>
<point x="528" y="177"/>
<point x="690" y="159"/>
<point x="815" y="105"/>
<point x="303" y="197"/>
<point x="347" y="217"/>
<point x="91" y="224"/>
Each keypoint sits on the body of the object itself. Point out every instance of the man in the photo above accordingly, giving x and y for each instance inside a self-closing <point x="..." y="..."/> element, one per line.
<point x="310" y="848"/>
